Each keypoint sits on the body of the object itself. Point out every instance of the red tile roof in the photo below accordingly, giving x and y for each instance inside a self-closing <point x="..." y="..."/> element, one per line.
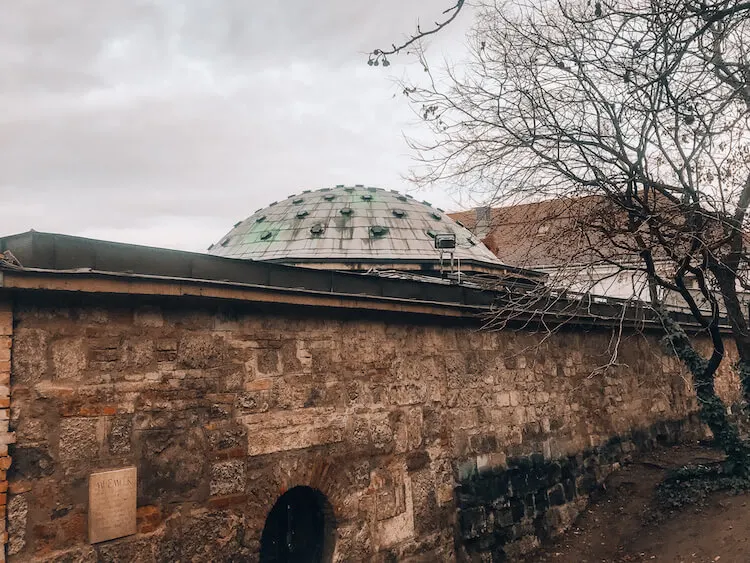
<point x="546" y="233"/>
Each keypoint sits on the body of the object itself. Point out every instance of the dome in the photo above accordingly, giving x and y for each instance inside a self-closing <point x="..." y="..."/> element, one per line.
<point x="352" y="227"/>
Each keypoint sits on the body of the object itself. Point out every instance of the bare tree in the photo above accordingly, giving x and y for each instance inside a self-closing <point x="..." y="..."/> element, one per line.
<point x="381" y="56"/>
<point x="643" y="105"/>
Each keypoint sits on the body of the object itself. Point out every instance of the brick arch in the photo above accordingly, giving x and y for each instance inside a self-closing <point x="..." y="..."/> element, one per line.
<point x="280" y="473"/>
<point x="318" y="472"/>
<point x="313" y="473"/>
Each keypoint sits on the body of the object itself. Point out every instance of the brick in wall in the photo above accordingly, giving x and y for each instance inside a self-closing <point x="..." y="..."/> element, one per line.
<point x="6" y="437"/>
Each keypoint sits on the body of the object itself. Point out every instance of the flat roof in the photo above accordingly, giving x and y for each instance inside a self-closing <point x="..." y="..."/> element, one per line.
<point x="55" y="262"/>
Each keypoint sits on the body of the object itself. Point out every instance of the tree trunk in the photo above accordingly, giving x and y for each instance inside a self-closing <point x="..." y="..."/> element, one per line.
<point x="713" y="411"/>
<point x="738" y="322"/>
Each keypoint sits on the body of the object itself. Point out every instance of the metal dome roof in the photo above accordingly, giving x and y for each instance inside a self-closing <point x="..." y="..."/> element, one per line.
<point x="349" y="225"/>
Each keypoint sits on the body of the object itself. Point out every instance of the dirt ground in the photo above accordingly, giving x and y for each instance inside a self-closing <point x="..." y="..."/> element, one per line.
<point x="626" y="525"/>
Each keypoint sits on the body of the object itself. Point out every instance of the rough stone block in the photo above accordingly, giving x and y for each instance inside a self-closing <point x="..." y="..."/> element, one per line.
<point x="68" y="359"/>
<point x="354" y="543"/>
<point x="407" y="393"/>
<point x="381" y="433"/>
<point x="32" y="462"/>
<point x="201" y="351"/>
<point x="398" y="529"/>
<point x="18" y="509"/>
<point x="228" y="440"/>
<point x="29" y="355"/>
<point x="119" y="435"/>
<point x="427" y="516"/>
<point x="227" y="477"/>
<point x="78" y="439"/>
<point x="283" y="431"/>
<point x="172" y="465"/>
<point x="126" y="549"/>
<point x="166" y="547"/>
<point x="268" y="362"/>
<point x="136" y="354"/>
<point x="213" y="536"/>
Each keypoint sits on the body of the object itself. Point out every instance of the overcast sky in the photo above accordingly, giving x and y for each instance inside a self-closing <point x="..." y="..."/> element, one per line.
<point x="164" y="122"/>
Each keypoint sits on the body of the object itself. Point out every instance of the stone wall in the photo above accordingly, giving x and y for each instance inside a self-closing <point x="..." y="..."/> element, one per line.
<point x="6" y="437"/>
<point x="508" y="508"/>
<point x="223" y="408"/>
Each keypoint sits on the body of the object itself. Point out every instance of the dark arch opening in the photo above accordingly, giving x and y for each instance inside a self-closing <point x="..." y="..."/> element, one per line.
<point x="299" y="528"/>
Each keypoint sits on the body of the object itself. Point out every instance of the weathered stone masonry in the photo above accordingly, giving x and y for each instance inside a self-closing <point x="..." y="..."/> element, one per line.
<point x="6" y="437"/>
<point x="508" y="508"/>
<point x="223" y="408"/>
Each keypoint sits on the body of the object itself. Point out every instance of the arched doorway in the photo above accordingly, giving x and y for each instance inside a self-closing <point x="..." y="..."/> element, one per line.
<point x="298" y="529"/>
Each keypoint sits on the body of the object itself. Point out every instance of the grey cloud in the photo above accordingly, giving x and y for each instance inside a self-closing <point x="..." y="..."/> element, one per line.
<point x="173" y="120"/>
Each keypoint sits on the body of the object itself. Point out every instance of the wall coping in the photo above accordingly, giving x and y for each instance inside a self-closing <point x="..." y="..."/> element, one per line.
<point x="52" y="262"/>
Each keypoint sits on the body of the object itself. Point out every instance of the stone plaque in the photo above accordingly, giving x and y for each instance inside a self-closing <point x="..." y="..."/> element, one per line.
<point x="112" y="504"/>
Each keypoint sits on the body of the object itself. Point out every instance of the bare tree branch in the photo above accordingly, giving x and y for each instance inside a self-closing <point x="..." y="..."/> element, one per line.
<point x="380" y="56"/>
<point x="630" y="120"/>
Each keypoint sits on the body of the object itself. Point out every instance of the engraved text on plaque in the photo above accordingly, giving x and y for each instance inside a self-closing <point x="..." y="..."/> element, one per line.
<point x="112" y="504"/>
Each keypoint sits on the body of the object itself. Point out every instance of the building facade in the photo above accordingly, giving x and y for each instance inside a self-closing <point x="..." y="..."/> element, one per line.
<point x="272" y="412"/>
<point x="564" y="239"/>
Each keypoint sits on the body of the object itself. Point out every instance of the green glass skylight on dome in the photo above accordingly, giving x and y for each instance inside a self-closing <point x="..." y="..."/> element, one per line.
<point x="348" y="224"/>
